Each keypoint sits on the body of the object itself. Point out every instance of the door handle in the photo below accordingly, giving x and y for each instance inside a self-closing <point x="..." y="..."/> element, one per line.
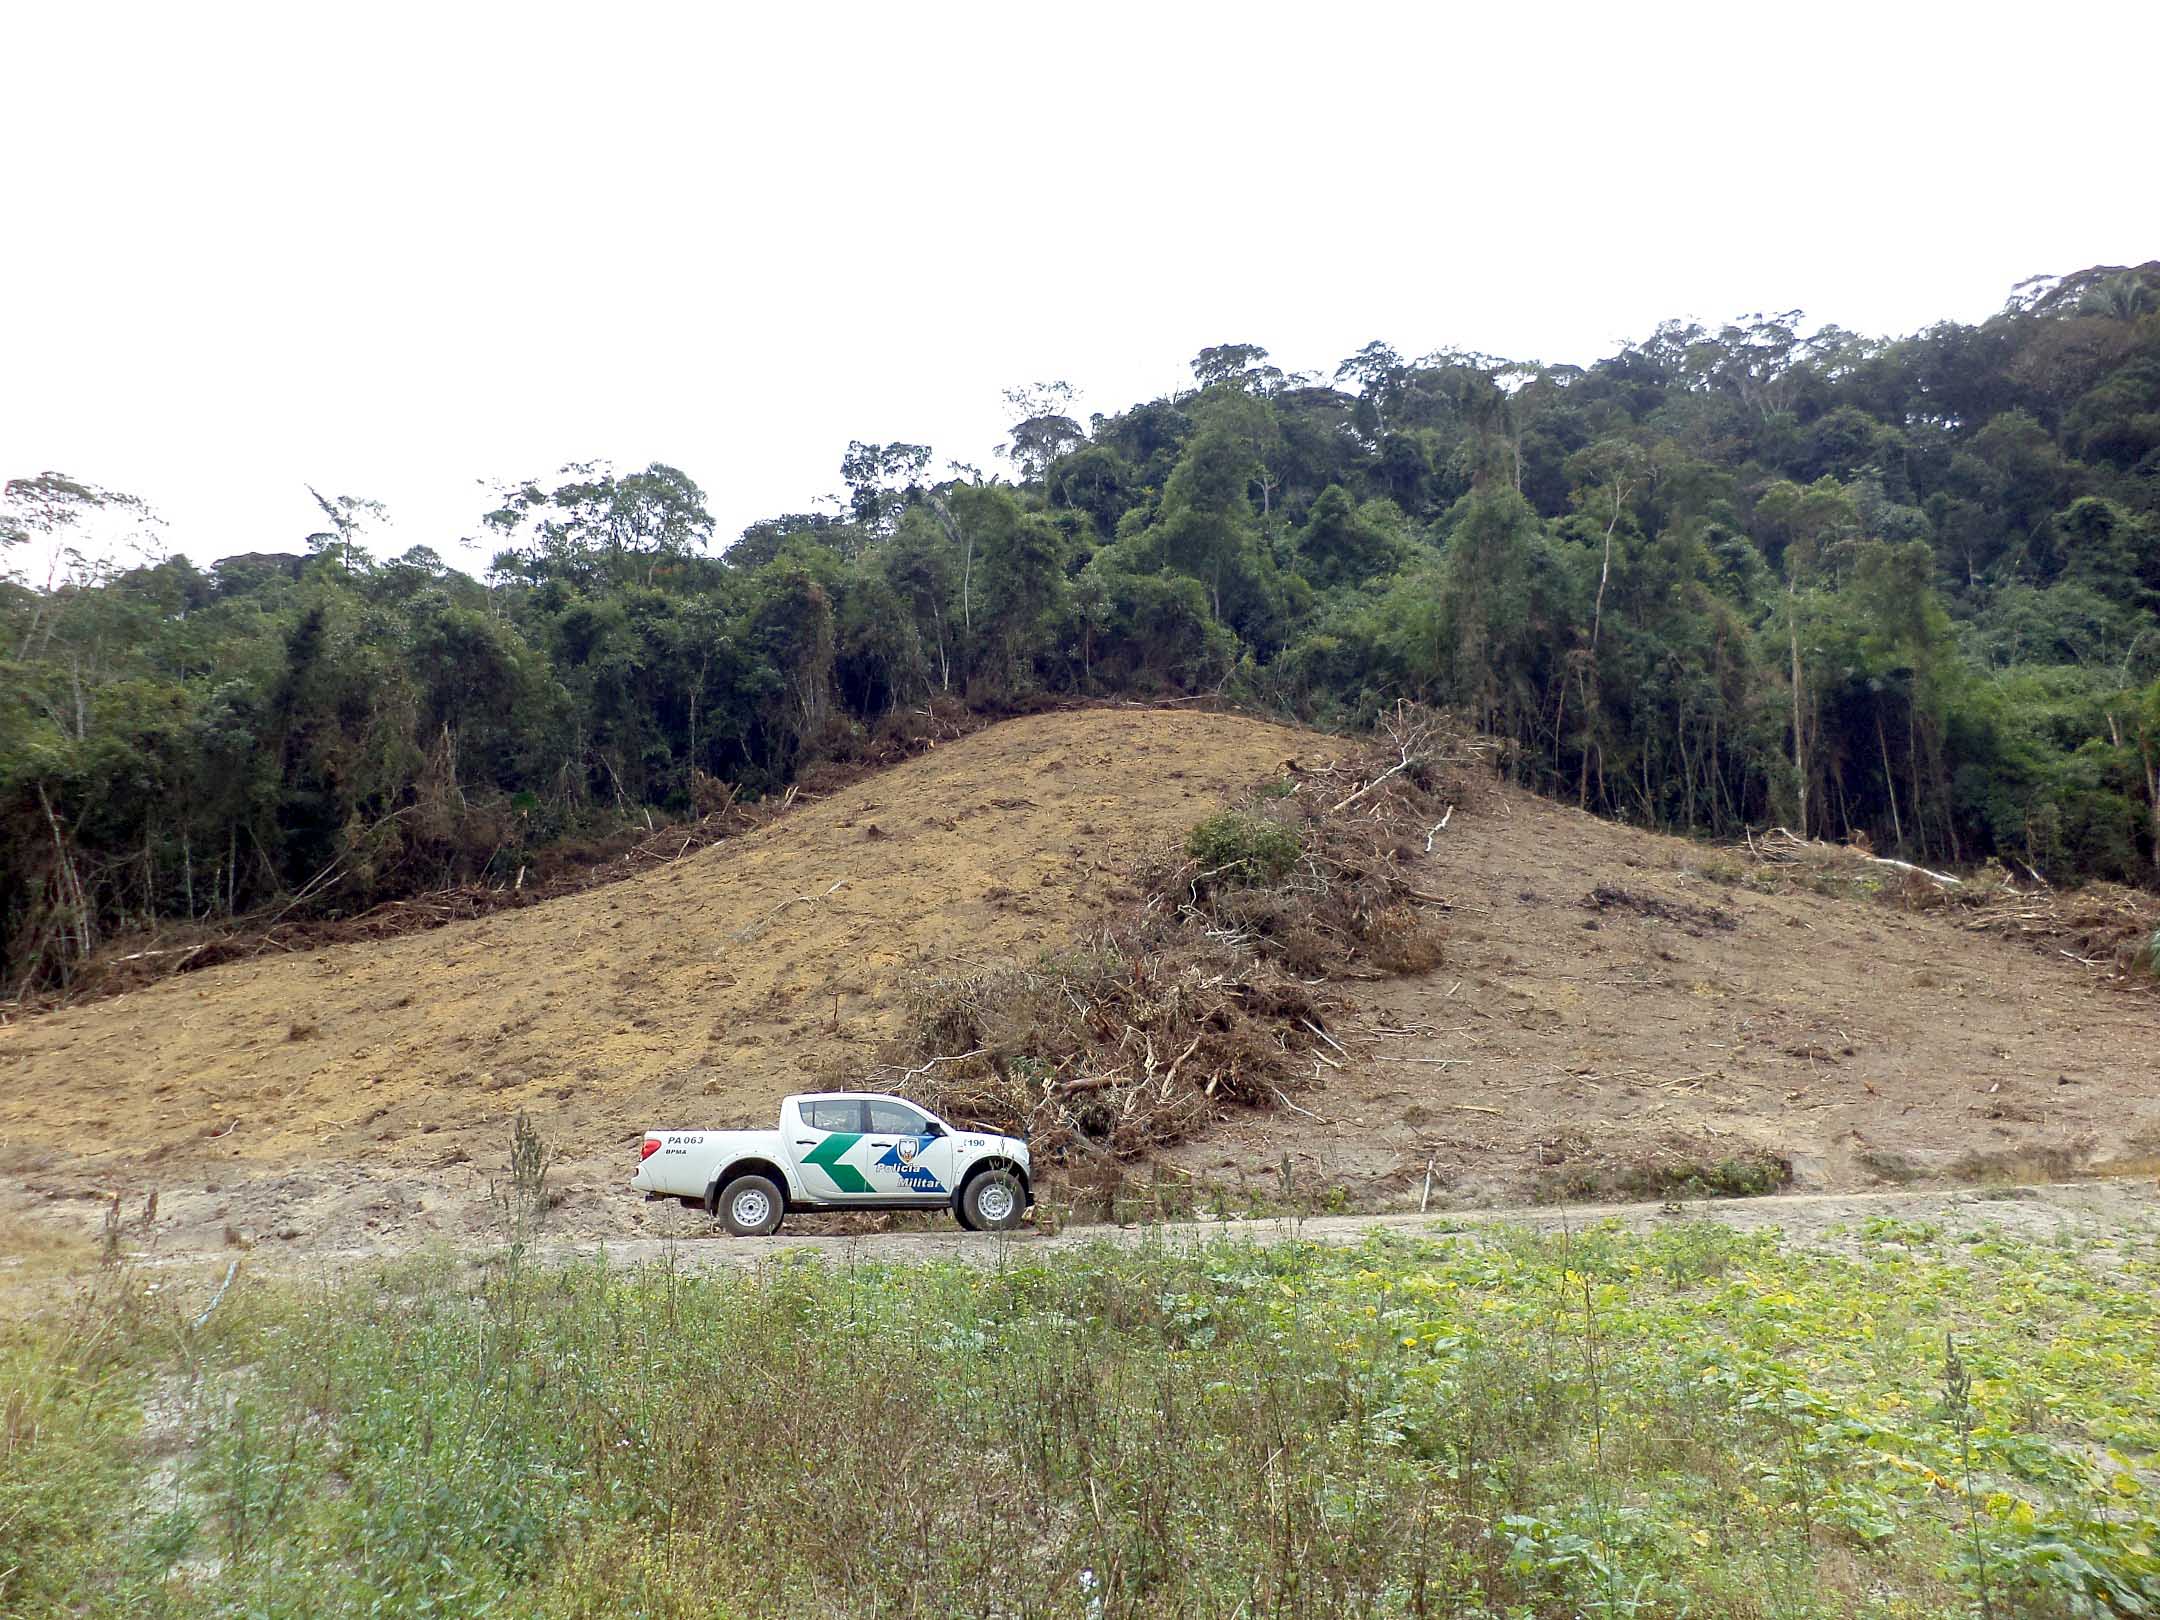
<point x="806" y="1141"/>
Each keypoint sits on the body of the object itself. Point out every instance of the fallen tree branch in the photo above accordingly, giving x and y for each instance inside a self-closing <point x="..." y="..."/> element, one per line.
<point x="1293" y="1107"/>
<point x="172" y="950"/>
<point x="957" y="1057"/>
<point x="753" y="929"/>
<point x="231" y="1271"/>
<point x="1907" y="866"/>
<point x="1170" y="1073"/>
<point x="1325" y="1036"/>
<point x="1392" y="770"/>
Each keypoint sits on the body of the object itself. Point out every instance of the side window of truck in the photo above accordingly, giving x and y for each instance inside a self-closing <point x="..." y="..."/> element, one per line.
<point x="833" y="1114"/>
<point x="892" y="1119"/>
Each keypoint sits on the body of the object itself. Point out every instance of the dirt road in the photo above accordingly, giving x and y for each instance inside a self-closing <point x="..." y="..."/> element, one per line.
<point x="2034" y="1212"/>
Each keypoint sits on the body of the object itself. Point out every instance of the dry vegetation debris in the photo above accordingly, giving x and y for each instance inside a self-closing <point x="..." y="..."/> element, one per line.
<point x="2098" y="925"/>
<point x="1216" y="989"/>
<point x="1693" y="918"/>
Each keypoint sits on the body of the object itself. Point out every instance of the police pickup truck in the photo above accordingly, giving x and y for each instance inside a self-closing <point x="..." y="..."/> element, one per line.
<point x="840" y="1150"/>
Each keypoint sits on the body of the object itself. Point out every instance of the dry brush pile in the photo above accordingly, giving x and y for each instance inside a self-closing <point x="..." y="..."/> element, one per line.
<point x="2103" y="925"/>
<point x="1216" y="989"/>
<point x="2097" y="925"/>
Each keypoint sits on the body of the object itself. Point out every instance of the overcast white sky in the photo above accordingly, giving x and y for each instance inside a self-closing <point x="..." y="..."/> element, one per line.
<point x="396" y="251"/>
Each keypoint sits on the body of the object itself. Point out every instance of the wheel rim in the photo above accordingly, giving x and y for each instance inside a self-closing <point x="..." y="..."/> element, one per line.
<point x="994" y="1203"/>
<point x="751" y="1207"/>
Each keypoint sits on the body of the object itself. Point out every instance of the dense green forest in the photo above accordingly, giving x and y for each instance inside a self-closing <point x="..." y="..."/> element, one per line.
<point x="1907" y="589"/>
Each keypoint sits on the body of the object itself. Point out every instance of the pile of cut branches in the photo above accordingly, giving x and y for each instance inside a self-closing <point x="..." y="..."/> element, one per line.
<point x="1216" y="990"/>
<point x="2098" y="925"/>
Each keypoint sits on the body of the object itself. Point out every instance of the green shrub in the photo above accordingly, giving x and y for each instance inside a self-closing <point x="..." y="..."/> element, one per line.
<point x="1243" y="849"/>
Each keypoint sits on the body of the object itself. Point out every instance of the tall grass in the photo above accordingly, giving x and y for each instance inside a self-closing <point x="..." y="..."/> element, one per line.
<point x="1696" y="1423"/>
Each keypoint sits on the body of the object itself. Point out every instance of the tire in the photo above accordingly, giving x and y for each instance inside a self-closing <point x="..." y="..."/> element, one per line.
<point x="751" y="1206"/>
<point x="993" y="1202"/>
<point x="960" y="1214"/>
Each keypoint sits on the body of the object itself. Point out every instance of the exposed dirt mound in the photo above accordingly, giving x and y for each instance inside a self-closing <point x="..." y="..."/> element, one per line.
<point x="1622" y="1013"/>
<point x="316" y="919"/>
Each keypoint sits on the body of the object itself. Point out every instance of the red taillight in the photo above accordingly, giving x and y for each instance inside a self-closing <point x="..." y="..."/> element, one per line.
<point x="652" y="1146"/>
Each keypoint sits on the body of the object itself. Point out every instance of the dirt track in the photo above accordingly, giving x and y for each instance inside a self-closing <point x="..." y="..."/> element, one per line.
<point x="2031" y="1212"/>
<point x="1826" y="1219"/>
<point x="2035" y="1213"/>
<point x="360" y="1096"/>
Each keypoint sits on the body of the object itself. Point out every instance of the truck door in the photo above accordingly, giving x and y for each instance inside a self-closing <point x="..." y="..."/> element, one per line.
<point x="906" y="1156"/>
<point x="826" y="1141"/>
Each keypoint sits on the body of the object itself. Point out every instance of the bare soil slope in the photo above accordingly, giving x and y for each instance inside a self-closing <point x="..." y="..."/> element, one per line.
<point x="1615" y="1007"/>
<point x="1608" y="1005"/>
<point x="369" y="1087"/>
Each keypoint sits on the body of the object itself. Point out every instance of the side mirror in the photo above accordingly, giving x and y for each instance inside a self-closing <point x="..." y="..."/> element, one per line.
<point x="932" y="1128"/>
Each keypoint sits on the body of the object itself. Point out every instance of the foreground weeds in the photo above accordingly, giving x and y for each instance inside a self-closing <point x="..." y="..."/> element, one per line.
<point x="1694" y="1423"/>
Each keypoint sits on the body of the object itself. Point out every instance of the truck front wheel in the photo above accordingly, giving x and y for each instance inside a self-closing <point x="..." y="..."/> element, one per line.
<point x="751" y="1206"/>
<point x="993" y="1202"/>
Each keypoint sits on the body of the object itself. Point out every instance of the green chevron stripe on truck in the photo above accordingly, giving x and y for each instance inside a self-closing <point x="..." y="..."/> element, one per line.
<point x="826" y="1156"/>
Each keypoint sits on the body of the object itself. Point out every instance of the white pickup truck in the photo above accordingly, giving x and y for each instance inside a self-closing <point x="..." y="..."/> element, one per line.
<point x="840" y="1150"/>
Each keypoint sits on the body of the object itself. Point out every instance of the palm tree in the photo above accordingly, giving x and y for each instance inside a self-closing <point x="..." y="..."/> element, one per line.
<point x="2124" y="296"/>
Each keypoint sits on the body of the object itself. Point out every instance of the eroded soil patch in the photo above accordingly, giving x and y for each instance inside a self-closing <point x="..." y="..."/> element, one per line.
<point x="1701" y="1028"/>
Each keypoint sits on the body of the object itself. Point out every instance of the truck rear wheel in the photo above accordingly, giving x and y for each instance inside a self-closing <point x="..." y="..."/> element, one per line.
<point x="751" y="1206"/>
<point x="993" y="1202"/>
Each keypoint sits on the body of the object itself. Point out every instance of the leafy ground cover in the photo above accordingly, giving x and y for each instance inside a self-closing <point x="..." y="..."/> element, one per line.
<point x="1693" y="1422"/>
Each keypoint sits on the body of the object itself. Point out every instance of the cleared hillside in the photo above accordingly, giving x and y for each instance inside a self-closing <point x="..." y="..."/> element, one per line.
<point x="1612" y="1000"/>
<point x="361" y="1089"/>
<point x="1621" y="1010"/>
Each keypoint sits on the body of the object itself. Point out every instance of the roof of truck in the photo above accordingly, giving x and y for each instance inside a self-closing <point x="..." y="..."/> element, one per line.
<point x="836" y="1096"/>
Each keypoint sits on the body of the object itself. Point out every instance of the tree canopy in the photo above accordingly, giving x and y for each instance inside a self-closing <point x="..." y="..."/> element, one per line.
<point x="1901" y="589"/>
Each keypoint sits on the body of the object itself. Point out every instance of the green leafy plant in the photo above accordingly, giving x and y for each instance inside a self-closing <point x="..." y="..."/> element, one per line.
<point x="1233" y="847"/>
